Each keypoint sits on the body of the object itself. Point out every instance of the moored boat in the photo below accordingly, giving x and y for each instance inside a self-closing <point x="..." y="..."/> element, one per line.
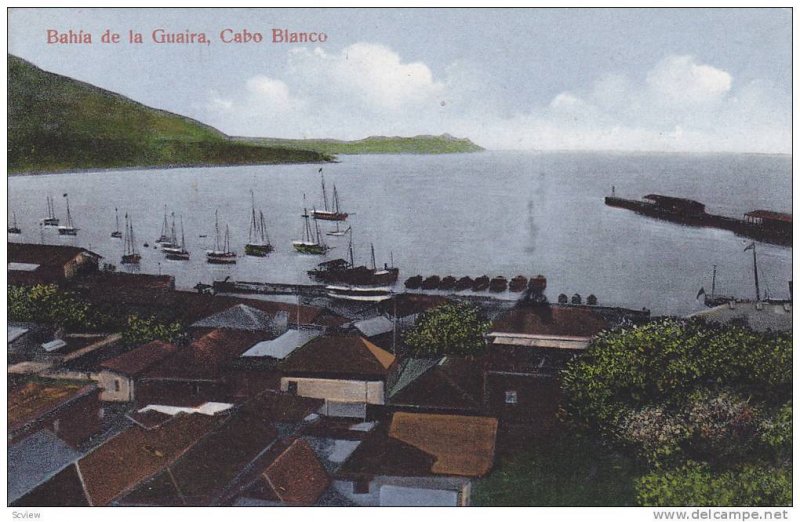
<point x="431" y="282"/>
<point x="14" y="228"/>
<point x="447" y="283"/>
<point x="311" y="243"/>
<point x="518" y="283"/>
<point x="222" y="253"/>
<point x="258" y="244"/>
<point x="51" y="220"/>
<point x="414" y="282"/>
<point x="131" y="255"/>
<point x="498" y="284"/>
<point x="480" y="284"/>
<point x="164" y="238"/>
<point x="357" y="293"/>
<point x="116" y="234"/>
<point x="178" y="252"/>
<point x="329" y="214"/>
<point x="68" y="229"/>
<point x="464" y="283"/>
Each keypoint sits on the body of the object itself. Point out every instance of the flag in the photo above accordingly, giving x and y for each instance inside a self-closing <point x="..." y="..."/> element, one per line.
<point x="701" y="292"/>
<point x="750" y="246"/>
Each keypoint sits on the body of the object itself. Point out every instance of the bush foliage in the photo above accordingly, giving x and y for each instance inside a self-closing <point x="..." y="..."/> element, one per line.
<point x="451" y="329"/>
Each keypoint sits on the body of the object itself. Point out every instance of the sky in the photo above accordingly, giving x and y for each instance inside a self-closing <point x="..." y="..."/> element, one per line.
<point x="694" y="80"/>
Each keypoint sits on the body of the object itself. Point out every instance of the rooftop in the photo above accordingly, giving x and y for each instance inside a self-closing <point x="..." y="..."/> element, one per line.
<point x="339" y="355"/>
<point x="291" y="474"/>
<point x="35" y="459"/>
<point x="64" y="489"/>
<point x="418" y="444"/>
<point x="45" y="255"/>
<point x="552" y="320"/>
<point x="206" y="357"/>
<point x="450" y="383"/>
<point x="760" y="316"/>
<point x="32" y="400"/>
<point x="137" y="454"/>
<point x="281" y="407"/>
<point x="138" y="360"/>
<point x="283" y="345"/>
<point x="243" y="317"/>
<point x="770" y="215"/>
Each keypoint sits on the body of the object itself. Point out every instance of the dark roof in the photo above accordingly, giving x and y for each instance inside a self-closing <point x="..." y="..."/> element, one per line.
<point x="62" y="490"/>
<point x="410" y="304"/>
<point x="45" y="255"/>
<point x="124" y="288"/>
<point x="339" y="355"/>
<point x="551" y="320"/>
<point x="139" y="359"/>
<point x="205" y="358"/>
<point x="423" y="444"/>
<point x="290" y="474"/>
<point x="282" y="407"/>
<point x="136" y="454"/>
<point x="210" y="472"/>
<point x="770" y="215"/>
<point x="453" y="383"/>
<point x="671" y="200"/>
<point x="380" y="454"/>
<point x="193" y="306"/>
<point x="33" y="400"/>
<point x="149" y="419"/>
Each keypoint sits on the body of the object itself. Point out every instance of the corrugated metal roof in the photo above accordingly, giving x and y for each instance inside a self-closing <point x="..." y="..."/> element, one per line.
<point x="284" y="345"/>
<point x="15" y="332"/>
<point x="374" y="326"/>
<point x="239" y="317"/>
<point x="411" y="369"/>
<point x="35" y="459"/>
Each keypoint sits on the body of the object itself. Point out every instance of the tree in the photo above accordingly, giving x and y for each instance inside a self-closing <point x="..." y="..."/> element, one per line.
<point x="140" y="331"/>
<point x="49" y="304"/>
<point x="702" y="406"/>
<point x="451" y="329"/>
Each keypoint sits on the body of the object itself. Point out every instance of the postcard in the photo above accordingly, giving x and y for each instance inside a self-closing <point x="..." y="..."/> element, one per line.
<point x="400" y="257"/>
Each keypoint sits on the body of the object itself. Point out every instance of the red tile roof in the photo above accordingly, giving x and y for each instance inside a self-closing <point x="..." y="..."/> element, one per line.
<point x="551" y="320"/>
<point x="137" y="454"/>
<point x="45" y="255"/>
<point x="139" y="359"/>
<point x="295" y="476"/>
<point x="32" y="400"/>
<point x="339" y="356"/>
<point x="205" y="358"/>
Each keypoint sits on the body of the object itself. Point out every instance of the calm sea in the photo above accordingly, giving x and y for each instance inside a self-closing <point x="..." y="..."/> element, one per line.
<point x="494" y="213"/>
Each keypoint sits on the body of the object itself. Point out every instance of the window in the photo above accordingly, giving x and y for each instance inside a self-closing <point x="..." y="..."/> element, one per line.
<point x="511" y="397"/>
<point x="361" y="487"/>
<point x="292" y="387"/>
<point x="117" y="386"/>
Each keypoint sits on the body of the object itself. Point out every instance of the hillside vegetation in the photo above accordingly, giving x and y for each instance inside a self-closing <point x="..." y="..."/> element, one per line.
<point x="57" y="123"/>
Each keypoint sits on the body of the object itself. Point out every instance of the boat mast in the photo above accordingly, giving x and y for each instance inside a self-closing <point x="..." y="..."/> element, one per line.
<point x="253" y="223"/>
<point x="352" y="260"/>
<point x="183" y="238"/>
<point x="216" y="230"/>
<point x="132" y="239"/>
<point x="264" y="235"/>
<point x="372" y="248"/>
<point x="227" y="240"/>
<point x="713" y="281"/>
<point x="69" y="216"/>
<point x="335" y="200"/>
<point x="307" y="229"/>
<point x="324" y="193"/>
<point x="164" y="226"/>
<point x="116" y="219"/>
<point x="173" y="239"/>
<point x="752" y="247"/>
<point x="318" y="240"/>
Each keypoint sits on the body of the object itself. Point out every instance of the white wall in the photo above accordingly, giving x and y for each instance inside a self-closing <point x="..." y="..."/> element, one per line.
<point x="335" y="390"/>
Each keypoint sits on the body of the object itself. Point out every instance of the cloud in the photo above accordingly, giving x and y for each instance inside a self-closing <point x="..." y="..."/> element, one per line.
<point x="679" y="104"/>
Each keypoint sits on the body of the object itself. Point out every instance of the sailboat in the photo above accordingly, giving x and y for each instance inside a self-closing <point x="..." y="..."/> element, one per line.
<point x="222" y="254"/>
<point x="116" y="233"/>
<point x="312" y="241"/>
<point x="329" y="214"/>
<point x="258" y="244"/>
<point x="51" y="220"/>
<point x="386" y="275"/>
<point x="14" y="229"/>
<point x="338" y="232"/>
<point x="342" y="271"/>
<point x="172" y="239"/>
<point x="164" y="237"/>
<point x="131" y="255"/>
<point x="178" y="252"/>
<point x="714" y="299"/>
<point x="68" y="229"/>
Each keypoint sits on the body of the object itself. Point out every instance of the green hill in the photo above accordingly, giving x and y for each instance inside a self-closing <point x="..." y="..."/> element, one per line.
<point x="444" y="144"/>
<point x="57" y="123"/>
